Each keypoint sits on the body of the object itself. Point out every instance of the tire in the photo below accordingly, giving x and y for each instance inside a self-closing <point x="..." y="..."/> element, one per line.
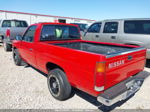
<point x="7" y="47"/>
<point x="58" y="85"/>
<point x="16" y="57"/>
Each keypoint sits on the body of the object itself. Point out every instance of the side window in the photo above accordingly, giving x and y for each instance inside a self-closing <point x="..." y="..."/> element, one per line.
<point x="29" y="35"/>
<point x="6" y="23"/>
<point x="130" y="27"/>
<point x="95" y="28"/>
<point x="137" y="26"/>
<point x="111" y="27"/>
<point x="146" y="28"/>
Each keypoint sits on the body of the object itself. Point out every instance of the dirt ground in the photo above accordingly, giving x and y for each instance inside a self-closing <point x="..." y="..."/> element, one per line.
<point x="26" y="88"/>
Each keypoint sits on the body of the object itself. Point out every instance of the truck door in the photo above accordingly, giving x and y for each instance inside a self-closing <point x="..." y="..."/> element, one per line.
<point x="109" y="32"/>
<point x="27" y="50"/>
<point x="93" y="32"/>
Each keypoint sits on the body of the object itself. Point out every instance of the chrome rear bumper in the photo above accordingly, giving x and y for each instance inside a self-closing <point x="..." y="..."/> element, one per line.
<point x="122" y="90"/>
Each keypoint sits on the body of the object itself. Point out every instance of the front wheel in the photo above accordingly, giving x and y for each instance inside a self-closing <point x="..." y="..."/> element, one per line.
<point x="16" y="57"/>
<point x="58" y="85"/>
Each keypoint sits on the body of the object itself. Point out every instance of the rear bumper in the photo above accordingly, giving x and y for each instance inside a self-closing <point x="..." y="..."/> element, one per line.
<point x="123" y="90"/>
<point x="148" y="54"/>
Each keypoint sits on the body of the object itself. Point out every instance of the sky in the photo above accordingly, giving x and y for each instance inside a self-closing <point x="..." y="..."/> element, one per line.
<point x="86" y="9"/>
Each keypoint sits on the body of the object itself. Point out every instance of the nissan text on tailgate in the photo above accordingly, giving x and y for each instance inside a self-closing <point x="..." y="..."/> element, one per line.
<point x="111" y="72"/>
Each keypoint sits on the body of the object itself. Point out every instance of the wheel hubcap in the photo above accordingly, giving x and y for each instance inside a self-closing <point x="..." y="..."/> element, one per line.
<point x="54" y="85"/>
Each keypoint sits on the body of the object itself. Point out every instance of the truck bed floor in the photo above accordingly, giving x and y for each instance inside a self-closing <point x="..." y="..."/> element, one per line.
<point x="95" y="48"/>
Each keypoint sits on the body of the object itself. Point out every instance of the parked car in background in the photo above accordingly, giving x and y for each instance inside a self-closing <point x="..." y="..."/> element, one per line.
<point x="9" y="29"/>
<point x="125" y="31"/>
<point x="110" y="72"/>
<point x="82" y="27"/>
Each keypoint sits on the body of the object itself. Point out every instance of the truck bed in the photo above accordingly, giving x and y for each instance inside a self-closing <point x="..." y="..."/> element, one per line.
<point x="94" y="47"/>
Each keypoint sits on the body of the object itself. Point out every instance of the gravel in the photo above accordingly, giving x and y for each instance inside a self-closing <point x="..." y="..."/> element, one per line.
<point x="26" y="88"/>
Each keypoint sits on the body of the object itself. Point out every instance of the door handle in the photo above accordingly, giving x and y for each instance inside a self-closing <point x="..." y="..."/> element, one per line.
<point x="113" y="37"/>
<point x="30" y="49"/>
<point x="97" y="36"/>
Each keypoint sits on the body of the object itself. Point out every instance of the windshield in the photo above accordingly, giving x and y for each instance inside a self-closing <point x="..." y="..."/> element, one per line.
<point x="81" y="26"/>
<point x="59" y="32"/>
<point x="137" y="27"/>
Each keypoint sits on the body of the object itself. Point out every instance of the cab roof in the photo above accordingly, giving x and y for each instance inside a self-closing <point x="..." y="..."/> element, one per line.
<point x="50" y="23"/>
<point x="124" y="19"/>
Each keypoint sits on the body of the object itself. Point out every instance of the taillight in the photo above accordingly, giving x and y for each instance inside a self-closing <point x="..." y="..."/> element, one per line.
<point x="100" y="67"/>
<point x="8" y="33"/>
<point x="100" y="76"/>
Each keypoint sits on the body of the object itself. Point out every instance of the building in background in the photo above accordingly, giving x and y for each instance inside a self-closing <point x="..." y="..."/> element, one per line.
<point x="36" y="18"/>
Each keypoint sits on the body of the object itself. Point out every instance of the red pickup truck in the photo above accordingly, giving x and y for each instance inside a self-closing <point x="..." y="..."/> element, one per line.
<point x="110" y="72"/>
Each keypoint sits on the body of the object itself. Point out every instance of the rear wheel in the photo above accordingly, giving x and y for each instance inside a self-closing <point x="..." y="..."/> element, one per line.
<point x="2" y="39"/>
<point x="7" y="47"/>
<point x="58" y="85"/>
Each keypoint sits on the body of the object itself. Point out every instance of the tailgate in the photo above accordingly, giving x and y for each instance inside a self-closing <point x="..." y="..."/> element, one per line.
<point x="124" y="65"/>
<point x="14" y="31"/>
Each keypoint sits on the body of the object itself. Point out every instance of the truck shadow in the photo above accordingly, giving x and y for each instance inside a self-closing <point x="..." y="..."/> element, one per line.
<point x="27" y="66"/>
<point x="148" y="63"/>
<point x="89" y="98"/>
<point x="93" y="101"/>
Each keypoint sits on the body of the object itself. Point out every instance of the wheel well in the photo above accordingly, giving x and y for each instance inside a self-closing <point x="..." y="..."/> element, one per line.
<point x="51" y="66"/>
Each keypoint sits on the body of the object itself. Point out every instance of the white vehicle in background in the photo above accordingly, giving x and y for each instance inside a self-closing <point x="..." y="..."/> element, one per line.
<point x="124" y="31"/>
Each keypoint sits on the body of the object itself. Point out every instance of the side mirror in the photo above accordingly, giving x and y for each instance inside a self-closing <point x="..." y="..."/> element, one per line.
<point x="18" y="37"/>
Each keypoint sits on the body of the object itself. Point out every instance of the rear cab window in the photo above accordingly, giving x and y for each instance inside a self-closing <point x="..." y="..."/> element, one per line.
<point x="110" y="27"/>
<point x="137" y="27"/>
<point x="6" y="23"/>
<point x="59" y="32"/>
<point x="14" y="23"/>
<point x="21" y="24"/>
